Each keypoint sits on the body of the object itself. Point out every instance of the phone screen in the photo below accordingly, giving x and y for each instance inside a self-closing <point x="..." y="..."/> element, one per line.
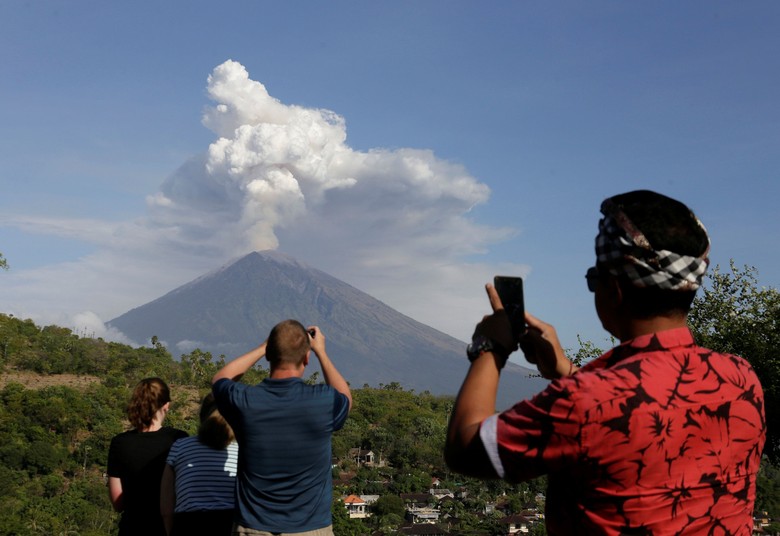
<point x="510" y="290"/>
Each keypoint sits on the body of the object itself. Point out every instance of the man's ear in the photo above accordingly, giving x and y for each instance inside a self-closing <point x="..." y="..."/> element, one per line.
<point x="306" y="359"/>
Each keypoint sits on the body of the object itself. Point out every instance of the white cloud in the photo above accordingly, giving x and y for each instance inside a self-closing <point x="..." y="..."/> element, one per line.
<point x="394" y="223"/>
<point x="88" y="324"/>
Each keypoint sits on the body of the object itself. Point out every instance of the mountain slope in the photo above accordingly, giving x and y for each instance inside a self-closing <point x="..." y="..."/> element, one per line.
<point x="231" y="310"/>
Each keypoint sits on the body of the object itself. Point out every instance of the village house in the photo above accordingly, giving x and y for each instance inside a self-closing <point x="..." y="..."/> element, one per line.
<point x="362" y="456"/>
<point x="356" y="507"/>
<point x="516" y="524"/>
<point x="417" y="500"/>
<point x="423" y="515"/>
<point x="440" y="494"/>
<point x="420" y="508"/>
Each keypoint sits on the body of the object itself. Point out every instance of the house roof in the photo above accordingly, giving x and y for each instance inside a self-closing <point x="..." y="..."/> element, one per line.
<point x="514" y="518"/>
<point x="353" y="499"/>
<point x="417" y="497"/>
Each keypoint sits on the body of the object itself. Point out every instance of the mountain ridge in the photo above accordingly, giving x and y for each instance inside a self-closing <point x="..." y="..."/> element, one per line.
<point x="232" y="308"/>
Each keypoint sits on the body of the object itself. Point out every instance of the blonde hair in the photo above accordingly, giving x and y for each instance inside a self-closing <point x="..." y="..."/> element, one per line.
<point x="149" y="396"/>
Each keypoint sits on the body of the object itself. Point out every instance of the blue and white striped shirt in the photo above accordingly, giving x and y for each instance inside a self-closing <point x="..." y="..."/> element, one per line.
<point x="205" y="477"/>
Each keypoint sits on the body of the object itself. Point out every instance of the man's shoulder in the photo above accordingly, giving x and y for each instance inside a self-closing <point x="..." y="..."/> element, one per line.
<point x="656" y="359"/>
<point x="325" y="390"/>
<point x="225" y="385"/>
<point x="222" y="383"/>
<point x="324" y="387"/>
<point x="225" y="389"/>
<point x="724" y="361"/>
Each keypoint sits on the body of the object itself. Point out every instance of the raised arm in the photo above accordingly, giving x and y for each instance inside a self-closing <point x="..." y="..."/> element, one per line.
<point x="476" y="400"/>
<point x="332" y="376"/>
<point x="238" y="367"/>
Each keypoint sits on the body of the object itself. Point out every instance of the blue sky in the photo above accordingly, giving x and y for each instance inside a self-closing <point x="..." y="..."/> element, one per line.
<point x="412" y="149"/>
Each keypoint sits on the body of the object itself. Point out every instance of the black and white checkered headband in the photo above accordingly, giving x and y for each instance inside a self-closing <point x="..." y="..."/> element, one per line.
<point x="627" y="253"/>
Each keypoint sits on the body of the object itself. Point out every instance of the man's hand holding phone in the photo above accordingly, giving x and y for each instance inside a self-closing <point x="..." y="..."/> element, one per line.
<point x="542" y="348"/>
<point x="538" y="340"/>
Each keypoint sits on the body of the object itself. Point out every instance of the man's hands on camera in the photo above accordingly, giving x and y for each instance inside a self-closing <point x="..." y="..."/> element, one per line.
<point x="316" y="340"/>
<point x="542" y="348"/>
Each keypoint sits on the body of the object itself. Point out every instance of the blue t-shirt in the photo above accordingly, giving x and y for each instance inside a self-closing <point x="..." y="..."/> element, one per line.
<point x="283" y="428"/>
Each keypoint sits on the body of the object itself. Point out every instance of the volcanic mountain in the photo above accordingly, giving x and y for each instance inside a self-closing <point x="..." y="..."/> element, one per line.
<point x="231" y="310"/>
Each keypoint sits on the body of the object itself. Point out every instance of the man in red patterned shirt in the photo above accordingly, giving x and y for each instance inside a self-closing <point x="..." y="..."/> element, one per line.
<point x="657" y="436"/>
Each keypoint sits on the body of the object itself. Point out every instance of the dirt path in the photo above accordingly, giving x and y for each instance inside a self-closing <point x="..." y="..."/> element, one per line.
<point x="32" y="380"/>
<point x="186" y="398"/>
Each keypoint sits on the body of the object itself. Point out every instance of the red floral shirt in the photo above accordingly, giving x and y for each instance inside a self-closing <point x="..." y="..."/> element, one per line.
<point x="656" y="437"/>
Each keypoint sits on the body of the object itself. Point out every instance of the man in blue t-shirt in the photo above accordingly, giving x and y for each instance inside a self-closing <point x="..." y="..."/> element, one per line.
<point x="283" y="427"/>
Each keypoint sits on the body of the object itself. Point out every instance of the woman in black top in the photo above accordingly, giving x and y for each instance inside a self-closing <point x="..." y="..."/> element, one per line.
<point x="136" y="460"/>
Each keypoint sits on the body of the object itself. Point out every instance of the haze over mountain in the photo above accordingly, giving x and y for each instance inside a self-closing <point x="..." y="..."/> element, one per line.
<point x="231" y="310"/>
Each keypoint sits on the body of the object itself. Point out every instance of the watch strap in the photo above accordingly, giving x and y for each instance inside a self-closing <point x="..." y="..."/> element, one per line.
<point x="498" y="329"/>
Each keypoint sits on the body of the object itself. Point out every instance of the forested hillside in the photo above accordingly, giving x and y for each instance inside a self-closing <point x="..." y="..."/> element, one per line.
<point x="62" y="399"/>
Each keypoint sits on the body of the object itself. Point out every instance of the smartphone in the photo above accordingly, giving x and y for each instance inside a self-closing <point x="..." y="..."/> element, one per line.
<point x="510" y="290"/>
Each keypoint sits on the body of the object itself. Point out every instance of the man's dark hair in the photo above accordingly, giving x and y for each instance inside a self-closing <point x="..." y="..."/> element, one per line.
<point x="667" y="224"/>
<point x="288" y="342"/>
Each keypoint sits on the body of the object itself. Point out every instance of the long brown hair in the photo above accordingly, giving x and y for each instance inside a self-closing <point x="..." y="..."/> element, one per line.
<point x="148" y="397"/>
<point x="214" y="431"/>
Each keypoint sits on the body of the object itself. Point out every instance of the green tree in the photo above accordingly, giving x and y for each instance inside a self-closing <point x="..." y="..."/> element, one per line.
<point x="587" y="351"/>
<point x="734" y="315"/>
<point x="198" y="367"/>
<point x="42" y="457"/>
<point x="413" y="481"/>
<point x="387" y="513"/>
<point x="388" y="504"/>
<point x="3" y="262"/>
<point x="768" y="489"/>
<point x="343" y="524"/>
